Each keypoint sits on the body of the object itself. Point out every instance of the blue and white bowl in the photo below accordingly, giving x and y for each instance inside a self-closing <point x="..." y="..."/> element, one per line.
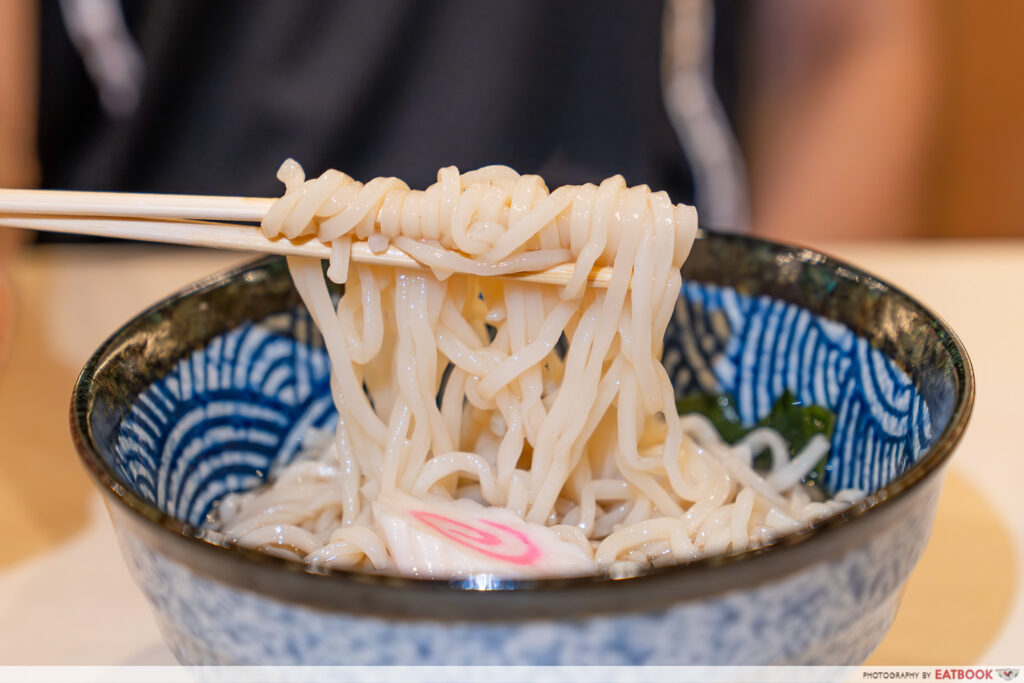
<point x="202" y="394"/>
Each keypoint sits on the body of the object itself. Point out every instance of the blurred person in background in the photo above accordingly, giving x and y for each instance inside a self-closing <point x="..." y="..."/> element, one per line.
<point x="846" y="118"/>
<point x="831" y="101"/>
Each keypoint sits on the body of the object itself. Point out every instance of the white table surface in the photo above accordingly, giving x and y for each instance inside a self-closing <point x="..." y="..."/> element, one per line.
<point x="66" y="598"/>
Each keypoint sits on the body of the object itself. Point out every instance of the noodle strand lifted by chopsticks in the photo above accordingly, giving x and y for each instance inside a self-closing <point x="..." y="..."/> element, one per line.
<point x="550" y="402"/>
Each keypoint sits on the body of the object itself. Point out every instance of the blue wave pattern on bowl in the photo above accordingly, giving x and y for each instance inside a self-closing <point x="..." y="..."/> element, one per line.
<point x="756" y="348"/>
<point x="224" y="416"/>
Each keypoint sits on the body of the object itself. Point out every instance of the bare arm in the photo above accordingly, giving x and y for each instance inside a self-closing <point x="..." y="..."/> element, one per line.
<point x="19" y="42"/>
<point x="19" y="45"/>
<point x="845" y="118"/>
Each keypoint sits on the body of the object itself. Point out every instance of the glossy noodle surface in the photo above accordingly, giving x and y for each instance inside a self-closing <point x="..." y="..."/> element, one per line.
<point x="492" y="426"/>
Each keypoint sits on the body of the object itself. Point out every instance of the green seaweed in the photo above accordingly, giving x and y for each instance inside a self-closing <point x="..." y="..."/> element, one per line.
<point x="795" y="422"/>
<point x="721" y="410"/>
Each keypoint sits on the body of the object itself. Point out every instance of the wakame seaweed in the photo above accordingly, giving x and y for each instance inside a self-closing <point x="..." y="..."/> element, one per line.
<point x="795" y="422"/>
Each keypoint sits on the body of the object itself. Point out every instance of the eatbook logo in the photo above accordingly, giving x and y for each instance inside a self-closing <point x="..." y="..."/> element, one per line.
<point x="1007" y="674"/>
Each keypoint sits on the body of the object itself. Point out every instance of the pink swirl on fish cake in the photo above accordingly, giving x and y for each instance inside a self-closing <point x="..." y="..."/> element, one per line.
<point x="520" y="551"/>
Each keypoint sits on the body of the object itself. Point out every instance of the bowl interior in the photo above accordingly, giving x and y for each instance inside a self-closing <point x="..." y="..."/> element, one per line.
<point x="203" y="394"/>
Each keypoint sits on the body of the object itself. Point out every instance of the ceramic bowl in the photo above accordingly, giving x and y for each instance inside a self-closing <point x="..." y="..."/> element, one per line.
<point x="201" y="394"/>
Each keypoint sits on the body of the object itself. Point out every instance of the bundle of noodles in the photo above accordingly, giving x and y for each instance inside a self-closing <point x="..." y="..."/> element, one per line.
<point x="491" y="425"/>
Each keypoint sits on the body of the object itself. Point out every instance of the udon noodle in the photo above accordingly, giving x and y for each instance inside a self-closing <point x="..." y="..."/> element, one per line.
<point x="491" y="425"/>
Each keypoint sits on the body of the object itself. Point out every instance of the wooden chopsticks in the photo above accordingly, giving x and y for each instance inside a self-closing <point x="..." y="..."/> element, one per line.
<point x="196" y="220"/>
<point x="131" y="205"/>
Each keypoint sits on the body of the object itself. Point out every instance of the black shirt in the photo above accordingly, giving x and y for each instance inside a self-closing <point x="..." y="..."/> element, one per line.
<point x="569" y="90"/>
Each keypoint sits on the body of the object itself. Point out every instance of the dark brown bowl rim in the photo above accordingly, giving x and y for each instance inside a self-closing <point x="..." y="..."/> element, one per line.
<point x="395" y="597"/>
